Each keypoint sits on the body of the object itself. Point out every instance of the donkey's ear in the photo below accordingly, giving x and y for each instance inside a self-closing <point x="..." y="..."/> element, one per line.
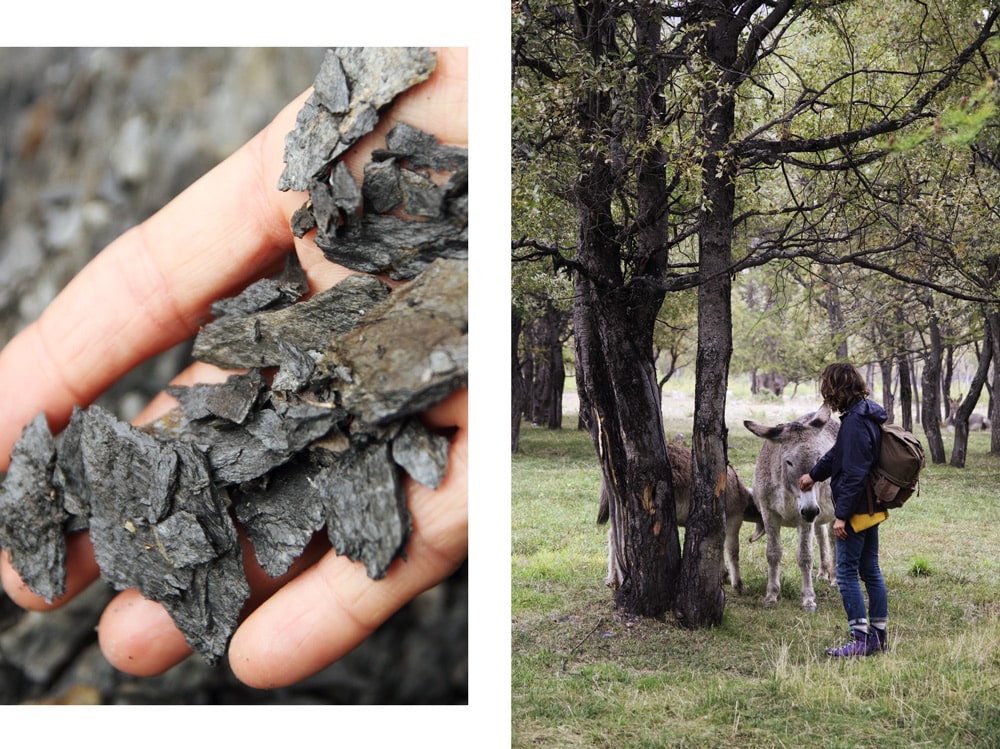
<point x="768" y="433"/>
<point x="821" y="417"/>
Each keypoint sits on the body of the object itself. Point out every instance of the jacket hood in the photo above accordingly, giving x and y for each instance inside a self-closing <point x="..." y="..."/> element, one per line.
<point x="870" y="410"/>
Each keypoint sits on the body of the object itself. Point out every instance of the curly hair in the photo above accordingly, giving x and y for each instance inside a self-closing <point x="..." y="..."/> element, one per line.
<point x="841" y="386"/>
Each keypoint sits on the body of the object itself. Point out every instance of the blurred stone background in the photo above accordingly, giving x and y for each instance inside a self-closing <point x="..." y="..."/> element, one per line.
<point x="93" y="141"/>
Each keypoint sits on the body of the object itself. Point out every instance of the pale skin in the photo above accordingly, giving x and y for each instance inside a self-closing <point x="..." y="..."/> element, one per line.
<point x="150" y="289"/>
<point x="839" y="525"/>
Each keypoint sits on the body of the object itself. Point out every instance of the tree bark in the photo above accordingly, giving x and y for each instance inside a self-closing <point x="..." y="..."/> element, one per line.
<point x="543" y="371"/>
<point x="947" y="375"/>
<point x="619" y="387"/>
<point x="516" y="382"/>
<point x="613" y="320"/>
<point x="885" y="366"/>
<point x="700" y="600"/>
<point x="993" y="321"/>
<point x="961" y="416"/>
<point x="930" y="384"/>
<point x="905" y="392"/>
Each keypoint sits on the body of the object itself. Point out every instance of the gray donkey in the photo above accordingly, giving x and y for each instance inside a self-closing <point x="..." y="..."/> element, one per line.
<point x="789" y="450"/>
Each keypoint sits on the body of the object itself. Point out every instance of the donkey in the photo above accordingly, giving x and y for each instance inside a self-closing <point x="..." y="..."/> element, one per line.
<point x="977" y="421"/>
<point x="738" y="503"/>
<point x="789" y="450"/>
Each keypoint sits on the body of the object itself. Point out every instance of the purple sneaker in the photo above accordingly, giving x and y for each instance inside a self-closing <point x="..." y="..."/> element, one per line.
<point x="856" y="648"/>
<point x="878" y="641"/>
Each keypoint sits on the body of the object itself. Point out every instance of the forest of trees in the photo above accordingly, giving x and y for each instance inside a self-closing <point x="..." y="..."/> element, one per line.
<point x="684" y="170"/>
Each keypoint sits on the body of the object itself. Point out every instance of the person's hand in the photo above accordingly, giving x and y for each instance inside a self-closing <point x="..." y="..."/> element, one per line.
<point x="150" y="289"/>
<point x="805" y="482"/>
<point x="840" y="529"/>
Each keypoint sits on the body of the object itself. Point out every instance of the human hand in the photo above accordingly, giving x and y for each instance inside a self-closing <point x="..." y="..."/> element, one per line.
<point x="149" y="290"/>
<point x="805" y="482"/>
<point x="840" y="529"/>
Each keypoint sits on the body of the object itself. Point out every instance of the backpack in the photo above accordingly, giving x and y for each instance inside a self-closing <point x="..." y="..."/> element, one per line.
<point x="893" y="478"/>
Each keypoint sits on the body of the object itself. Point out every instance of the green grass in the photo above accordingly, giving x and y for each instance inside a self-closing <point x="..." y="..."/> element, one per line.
<point x="582" y="676"/>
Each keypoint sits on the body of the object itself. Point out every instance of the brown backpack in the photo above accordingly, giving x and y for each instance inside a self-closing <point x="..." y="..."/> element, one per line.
<point x="895" y="476"/>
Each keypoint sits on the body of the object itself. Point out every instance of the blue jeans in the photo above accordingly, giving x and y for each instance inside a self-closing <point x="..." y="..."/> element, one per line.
<point x="857" y="560"/>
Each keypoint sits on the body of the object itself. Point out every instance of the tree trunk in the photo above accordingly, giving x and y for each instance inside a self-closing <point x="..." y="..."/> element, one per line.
<point x="905" y="392"/>
<point x="947" y="375"/>
<point x="885" y="366"/>
<point x="619" y="384"/>
<point x="700" y="600"/>
<point x="544" y="372"/>
<point x="961" y="417"/>
<point x="993" y="321"/>
<point x="930" y="384"/>
<point x="516" y="382"/>
<point x="613" y="317"/>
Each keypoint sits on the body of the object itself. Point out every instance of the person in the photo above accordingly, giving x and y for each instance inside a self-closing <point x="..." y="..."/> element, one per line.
<point x="150" y="289"/>
<point x="847" y="465"/>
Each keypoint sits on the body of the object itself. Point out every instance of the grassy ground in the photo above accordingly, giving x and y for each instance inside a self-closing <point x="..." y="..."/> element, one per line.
<point x="584" y="677"/>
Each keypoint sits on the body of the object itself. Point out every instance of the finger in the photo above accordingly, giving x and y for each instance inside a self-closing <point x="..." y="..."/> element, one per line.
<point x="152" y="287"/>
<point x="139" y="637"/>
<point x="333" y="606"/>
<point x="453" y="411"/>
<point x="146" y="650"/>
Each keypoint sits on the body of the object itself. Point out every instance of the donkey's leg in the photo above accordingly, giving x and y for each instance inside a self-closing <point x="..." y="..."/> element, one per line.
<point x="615" y="577"/>
<point x="827" y="554"/>
<point x="732" y="552"/>
<point x="805" y="560"/>
<point x="773" y="530"/>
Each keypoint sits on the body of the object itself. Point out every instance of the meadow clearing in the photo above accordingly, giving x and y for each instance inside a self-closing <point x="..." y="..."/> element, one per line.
<point x="582" y="676"/>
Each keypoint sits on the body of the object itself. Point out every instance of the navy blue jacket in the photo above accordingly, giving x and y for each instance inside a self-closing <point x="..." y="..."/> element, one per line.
<point x="852" y="456"/>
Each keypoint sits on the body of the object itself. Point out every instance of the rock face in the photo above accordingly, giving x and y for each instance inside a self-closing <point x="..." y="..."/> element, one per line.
<point x="101" y="140"/>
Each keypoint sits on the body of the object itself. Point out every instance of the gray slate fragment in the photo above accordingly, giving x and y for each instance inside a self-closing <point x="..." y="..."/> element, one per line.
<point x="396" y="247"/>
<point x="421" y="453"/>
<point x="421" y="197"/>
<point x="280" y="513"/>
<point x="380" y="186"/>
<point x="401" y="246"/>
<point x="158" y="525"/>
<point x="331" y="86"/>
<point x="256" y="340"/>
<point x="421" y="150"/>
<point x="303" y="221"/>
<point x="67" y="475"/>
<point x="345" y="190"/>
<point x="295" y="371"/>
<point x="353" y="84"/>
<point x="267" y="293"/>
<point x="231" y="400"/>
<point x="266" y="439"/>
<point x="31" y="513"/>
<point x="411" y="352"/>
<point x="365" y="507"/>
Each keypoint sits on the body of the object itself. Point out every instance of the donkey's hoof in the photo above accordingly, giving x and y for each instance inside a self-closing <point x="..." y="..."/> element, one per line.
<point x="769" y="602"/>
<point x="809" y="606"/>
